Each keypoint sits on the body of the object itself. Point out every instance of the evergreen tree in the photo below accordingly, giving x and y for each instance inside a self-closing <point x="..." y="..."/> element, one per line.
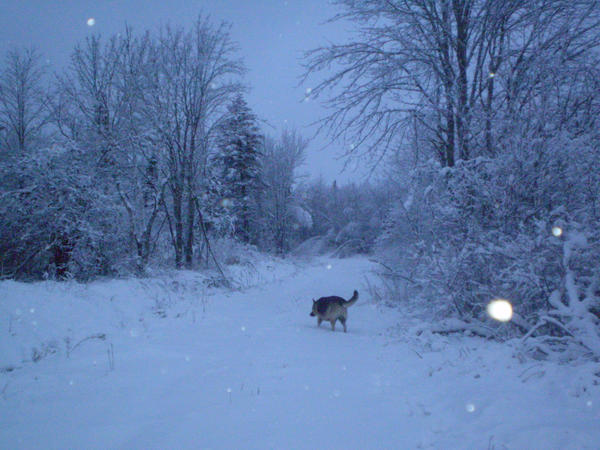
<point x="238" y="160"/>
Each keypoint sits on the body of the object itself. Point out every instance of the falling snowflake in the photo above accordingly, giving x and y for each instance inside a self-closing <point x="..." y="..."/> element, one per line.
<point x="328" y="266"/>
<point x="91" y="22"/>
<point x="557" y="231"/>
<point x="470" y="407"/>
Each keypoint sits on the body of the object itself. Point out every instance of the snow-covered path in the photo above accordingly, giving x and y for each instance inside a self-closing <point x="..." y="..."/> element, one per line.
<point x="251" y="370"/>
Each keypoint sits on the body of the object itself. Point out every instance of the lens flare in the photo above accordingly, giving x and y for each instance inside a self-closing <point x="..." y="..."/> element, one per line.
<point x="500" y="310"/>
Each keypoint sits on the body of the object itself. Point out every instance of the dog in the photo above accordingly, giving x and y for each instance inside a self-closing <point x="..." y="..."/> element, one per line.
<point x="332" y="308"/>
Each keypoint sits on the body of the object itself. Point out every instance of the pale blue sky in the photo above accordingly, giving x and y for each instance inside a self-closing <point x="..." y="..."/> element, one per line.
<point x="272" y="34"/>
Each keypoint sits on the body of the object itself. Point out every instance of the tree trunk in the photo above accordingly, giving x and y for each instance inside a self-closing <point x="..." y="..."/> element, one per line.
<point x="178" y="219"/>
<point x="189" y="242"/>
<point x="449" y="132"/>
<point x="488" y="115"/>
<point x="461" y="13"/>
<point x="448" y="88"/>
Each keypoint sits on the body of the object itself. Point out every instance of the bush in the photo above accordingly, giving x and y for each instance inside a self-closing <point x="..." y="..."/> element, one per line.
<point x="459" y="237"/>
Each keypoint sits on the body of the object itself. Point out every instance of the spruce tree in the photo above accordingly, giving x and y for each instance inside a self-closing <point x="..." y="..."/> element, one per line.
<point x="238" y="160"/>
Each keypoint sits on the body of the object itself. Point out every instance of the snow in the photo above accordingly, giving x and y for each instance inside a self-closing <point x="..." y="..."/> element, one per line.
<point x="195" y="366"/>
<point x="302" y="216"/>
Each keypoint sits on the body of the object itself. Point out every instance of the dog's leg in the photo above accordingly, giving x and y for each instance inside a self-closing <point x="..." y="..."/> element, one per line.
<point x="332" y="324"/>
<point x="319" y="320"/>
<point x="343" y="320"/>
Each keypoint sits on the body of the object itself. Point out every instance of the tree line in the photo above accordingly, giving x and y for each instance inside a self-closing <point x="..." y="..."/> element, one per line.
<point x="142" y="149"/>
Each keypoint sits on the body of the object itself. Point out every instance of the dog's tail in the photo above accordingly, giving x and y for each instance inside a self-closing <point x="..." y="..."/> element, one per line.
<point x="352" y="301"/>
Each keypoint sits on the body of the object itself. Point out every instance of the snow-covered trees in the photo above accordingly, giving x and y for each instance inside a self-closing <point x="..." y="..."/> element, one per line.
<point x="192" y="76"/>
<point x="458" y="72"/>
<point x="347" y="219"/>
<point x="488" y="112"/>
<point x="280" y="210"/>
<point x="238" y="163"/>
<point x="22" y="102"/>
<point x="135" y="117"/>
<point x="97" y="111"/>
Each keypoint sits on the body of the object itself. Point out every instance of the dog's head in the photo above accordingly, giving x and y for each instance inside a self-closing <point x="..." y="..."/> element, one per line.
<point x="314" y="308"/>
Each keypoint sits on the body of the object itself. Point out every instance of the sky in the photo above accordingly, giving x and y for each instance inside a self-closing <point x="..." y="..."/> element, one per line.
<point x="272" y="35"/>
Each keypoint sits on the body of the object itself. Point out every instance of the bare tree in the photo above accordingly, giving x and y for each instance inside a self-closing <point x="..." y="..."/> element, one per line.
<point x="191" y="77"/>
<point x="443" y="59"/>
<point x="280" y="161"/>
<point x="97" y="111"/>
<point x="22" y="100"/>
<point x="90" y="108"/>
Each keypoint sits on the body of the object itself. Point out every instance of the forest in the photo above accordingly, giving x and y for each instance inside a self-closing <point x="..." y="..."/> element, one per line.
<point x="481" y="117"/>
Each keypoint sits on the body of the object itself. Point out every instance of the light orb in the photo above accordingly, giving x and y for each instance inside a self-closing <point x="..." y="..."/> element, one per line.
<point x="500" y="310"/>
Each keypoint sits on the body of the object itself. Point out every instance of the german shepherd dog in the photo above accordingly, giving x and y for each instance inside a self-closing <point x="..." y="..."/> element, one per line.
<point x="332" y="308"/>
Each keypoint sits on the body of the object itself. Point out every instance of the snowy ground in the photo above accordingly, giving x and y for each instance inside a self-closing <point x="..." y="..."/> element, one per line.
<point x="171" y="363"/>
